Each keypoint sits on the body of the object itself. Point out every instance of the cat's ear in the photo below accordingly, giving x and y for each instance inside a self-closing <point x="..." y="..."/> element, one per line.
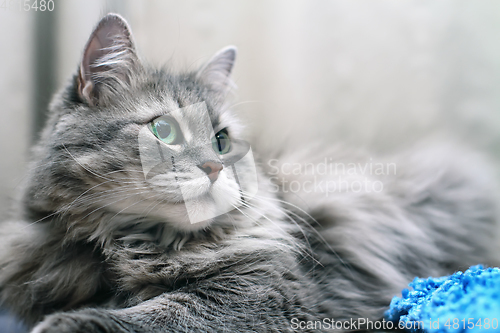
<point x="217" y="72"/>
<point x="108" y="59"/>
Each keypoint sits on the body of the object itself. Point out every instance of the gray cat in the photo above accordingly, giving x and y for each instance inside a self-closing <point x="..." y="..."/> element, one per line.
<point x="144" y="211"/>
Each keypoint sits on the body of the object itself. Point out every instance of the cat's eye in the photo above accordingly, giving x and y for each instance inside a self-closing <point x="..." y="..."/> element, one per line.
<point x="221" y="142"/>
<point x="166" y="129"/>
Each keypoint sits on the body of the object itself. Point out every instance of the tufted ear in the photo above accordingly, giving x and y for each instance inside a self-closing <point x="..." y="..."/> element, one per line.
<point x="108" y="59"/>
<point x="216" y="73"/>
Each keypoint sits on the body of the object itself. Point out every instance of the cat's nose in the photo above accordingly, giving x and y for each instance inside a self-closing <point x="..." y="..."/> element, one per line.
<point x="212" y="170"/>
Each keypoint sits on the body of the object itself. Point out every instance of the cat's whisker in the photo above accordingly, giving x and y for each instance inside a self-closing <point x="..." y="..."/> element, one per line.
<point x="85" y="192"/>
<point x="156" y="203"/>
<point x="248" y="204"/>
<point x="293" y="206"/>
<point x="310" y="227"/>
<point x="39" y="220"/>
<point x="307" y="253"/>
<point x="109" y="204"/>
<point x="243" y="102"/>
<point x="138" y="202"/>
<point x="81" y="165"/>
<point x="91" y="199"/>
<point x="233" y="221"/>
<point x="120" y="189"/>
<point x="291" y="219"/>
<point x="261" y="215"/>
<point x="94" y="172"/>
<point x="59" y="213"/>
<point x="123" y="170"/>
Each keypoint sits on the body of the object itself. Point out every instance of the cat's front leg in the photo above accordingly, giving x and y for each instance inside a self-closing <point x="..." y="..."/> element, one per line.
<point x="183" y="312"/>
<point x="86" y="321"/>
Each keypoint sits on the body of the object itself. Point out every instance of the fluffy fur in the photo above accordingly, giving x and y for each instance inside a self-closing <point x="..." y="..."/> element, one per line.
<point x="98" y="248"/>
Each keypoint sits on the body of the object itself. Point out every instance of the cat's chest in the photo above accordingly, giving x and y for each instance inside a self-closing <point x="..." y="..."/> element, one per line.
<point x="147" y="272"/>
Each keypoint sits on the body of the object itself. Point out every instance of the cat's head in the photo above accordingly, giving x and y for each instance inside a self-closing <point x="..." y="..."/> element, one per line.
<point x="126" y="143"/>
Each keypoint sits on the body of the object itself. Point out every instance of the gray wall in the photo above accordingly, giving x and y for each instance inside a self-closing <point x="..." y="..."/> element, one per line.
<point x="16" y="68"/>
<point x="380" y="74"/>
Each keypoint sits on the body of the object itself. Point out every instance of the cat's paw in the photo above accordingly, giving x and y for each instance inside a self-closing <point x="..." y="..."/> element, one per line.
<point x="75" y="322"/>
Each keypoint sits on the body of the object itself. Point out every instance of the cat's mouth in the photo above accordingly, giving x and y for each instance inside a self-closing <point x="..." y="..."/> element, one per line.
<point x="202" y="198"/>
<point x="215" y="199"/>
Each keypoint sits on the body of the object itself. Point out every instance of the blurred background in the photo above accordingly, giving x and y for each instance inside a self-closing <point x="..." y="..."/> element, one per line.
<point x="380" y="75"/>
<point x="376" y="74"/>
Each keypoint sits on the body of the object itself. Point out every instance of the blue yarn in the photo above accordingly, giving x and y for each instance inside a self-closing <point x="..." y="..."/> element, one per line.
<point x="463" y="302"/>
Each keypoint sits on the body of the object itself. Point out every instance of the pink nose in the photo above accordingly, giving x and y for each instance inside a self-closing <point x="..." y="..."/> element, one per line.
<point x="212" y="170"/>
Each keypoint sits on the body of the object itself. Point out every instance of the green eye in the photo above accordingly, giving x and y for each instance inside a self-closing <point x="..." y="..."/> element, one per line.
<point x="221" y="142"/>
<point x="165" y="129"/>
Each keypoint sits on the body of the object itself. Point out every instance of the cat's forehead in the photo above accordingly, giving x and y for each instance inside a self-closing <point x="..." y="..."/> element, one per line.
<point x="171" y="94"/>
<point x="157" y="94"/>
<point x="189" y="112"/>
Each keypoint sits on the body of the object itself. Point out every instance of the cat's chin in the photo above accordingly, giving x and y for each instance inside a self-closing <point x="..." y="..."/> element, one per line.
<point x="199" y="214"/>
<point x="188" y="216"/>
<point x="187" y="226"/>
<point x="203" y="210"/>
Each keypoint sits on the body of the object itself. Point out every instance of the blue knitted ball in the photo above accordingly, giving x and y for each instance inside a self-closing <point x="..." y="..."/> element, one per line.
<point x="463" y="302"/>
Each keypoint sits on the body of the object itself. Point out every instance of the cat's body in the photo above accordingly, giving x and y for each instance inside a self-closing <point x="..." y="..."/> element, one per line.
<point x="100" y="248"/>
